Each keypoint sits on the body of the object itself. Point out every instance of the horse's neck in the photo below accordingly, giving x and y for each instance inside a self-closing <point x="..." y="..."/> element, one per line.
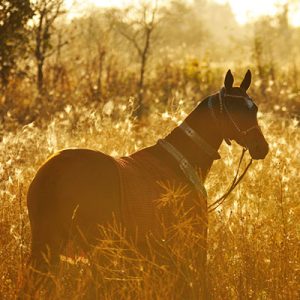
<point x="201" y="121"/>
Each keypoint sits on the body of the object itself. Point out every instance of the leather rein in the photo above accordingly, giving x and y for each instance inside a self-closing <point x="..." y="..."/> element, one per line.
<point x="189" y="171"/>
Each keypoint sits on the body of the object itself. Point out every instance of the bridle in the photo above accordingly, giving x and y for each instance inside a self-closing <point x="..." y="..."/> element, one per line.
<point x="223" y="110"/>
<point x="242" y="134"/>
<point x="188" y="170"/>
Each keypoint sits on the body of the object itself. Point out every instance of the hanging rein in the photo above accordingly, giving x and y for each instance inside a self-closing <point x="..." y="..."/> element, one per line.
<point x="190" y="173"/>
<point x="236" y="180"/>
<point x="242" y="134"/>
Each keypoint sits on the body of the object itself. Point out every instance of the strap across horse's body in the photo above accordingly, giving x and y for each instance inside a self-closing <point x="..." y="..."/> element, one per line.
<point x="188" y="170"/>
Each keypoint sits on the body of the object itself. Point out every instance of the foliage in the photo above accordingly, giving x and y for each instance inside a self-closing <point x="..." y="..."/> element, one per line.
<point x="14" y="15"/>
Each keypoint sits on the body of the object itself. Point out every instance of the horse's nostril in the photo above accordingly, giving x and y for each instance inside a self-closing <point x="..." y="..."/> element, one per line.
<point x="267" y="148"/>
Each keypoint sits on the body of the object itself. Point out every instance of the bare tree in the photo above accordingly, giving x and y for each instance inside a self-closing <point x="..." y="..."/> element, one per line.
<point x="97" y="41"/>
<point x="137" y="27"/>
<point x="46" y="13"/>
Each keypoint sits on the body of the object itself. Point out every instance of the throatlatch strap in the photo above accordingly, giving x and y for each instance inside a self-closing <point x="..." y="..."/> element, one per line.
<point x="196" y="138"/>
<point x="187" y="169"/>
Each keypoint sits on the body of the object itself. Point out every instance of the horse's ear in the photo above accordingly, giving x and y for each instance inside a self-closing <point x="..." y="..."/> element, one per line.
<point x="228" y="82"/>
<point x="246" y="81"/>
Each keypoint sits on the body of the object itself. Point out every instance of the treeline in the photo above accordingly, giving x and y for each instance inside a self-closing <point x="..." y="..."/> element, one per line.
<point x="148" y="53"/>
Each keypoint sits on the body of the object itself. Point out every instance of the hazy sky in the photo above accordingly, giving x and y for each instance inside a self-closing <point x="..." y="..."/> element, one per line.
<point x="244" y="10"/>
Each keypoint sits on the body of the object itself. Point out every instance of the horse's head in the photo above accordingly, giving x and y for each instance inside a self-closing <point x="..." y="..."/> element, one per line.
<point x="239" y="117"/>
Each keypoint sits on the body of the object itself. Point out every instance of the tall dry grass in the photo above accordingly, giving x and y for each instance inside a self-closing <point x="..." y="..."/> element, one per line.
<point x="253" y="244"/>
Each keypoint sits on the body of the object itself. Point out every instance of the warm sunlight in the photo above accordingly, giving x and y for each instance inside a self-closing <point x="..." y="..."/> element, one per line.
<point x="149" y="149"/>
<point x="244" y="11"/>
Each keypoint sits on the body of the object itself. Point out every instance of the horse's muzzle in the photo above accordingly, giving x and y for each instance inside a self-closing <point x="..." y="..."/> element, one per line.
<point x="259" y="150"/>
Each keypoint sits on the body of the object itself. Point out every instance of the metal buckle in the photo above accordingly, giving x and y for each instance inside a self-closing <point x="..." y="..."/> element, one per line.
<point x="183" y="164"/>
<point x="189" y="132"/>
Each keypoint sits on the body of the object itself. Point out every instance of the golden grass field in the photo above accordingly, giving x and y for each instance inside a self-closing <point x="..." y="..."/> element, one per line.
<point x="76" y="82"/>
<point x="253" y="247"/>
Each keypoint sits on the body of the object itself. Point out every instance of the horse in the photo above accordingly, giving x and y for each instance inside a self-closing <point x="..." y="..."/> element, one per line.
<point x="82" y="188"/>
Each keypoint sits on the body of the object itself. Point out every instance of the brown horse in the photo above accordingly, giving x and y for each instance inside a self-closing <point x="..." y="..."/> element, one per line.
<point x="93" y="186"/>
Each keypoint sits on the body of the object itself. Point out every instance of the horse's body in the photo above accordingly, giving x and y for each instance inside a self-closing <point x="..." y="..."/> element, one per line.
<point x="80" y="189"/>
<point x="84" y="188"/>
